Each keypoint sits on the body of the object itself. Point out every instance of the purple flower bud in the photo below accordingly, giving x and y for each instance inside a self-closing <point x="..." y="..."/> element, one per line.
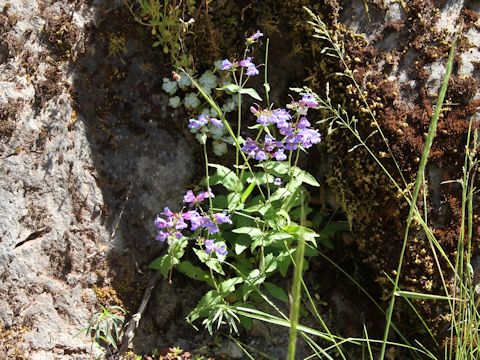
<point x="254" y="37"/>
<point x="167" y="212"/>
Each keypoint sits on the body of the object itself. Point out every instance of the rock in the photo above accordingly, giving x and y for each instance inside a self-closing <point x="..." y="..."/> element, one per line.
<point x="68" y="199"/>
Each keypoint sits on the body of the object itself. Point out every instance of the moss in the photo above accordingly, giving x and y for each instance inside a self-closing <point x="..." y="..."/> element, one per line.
<point x="10" y="339"/>
<point x="106" y="295"/>
<point x="8" y="116"/>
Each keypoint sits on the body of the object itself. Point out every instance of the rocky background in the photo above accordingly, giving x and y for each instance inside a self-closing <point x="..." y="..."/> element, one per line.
<point x="89" y="151"/>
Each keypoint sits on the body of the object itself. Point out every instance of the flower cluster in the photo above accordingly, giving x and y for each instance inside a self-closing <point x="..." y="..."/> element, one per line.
<point x="271" y="148"/>
<point x="210" y="247"/>
<point x="296" y="133"/>
<point x="170" y="224"/>
<point x="195" y="124"/>
<point x="251" y="69"/>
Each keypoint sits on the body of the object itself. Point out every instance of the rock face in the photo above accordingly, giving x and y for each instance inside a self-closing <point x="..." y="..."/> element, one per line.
<point x="78" y="183"/>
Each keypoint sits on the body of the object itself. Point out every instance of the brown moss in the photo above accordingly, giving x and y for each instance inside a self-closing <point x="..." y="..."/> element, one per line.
<point x="10" y="339"/>
<point x="106" y="295"/>
<point x="60" y="33"/>
<point x="8" y="116"/>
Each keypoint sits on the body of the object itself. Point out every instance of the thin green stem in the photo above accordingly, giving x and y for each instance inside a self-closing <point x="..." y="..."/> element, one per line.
<point x="296" y="290"/>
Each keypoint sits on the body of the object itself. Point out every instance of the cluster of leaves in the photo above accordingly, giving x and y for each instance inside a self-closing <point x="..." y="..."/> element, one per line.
<point x="168" y="22"/>
<point x="105" y="326"/>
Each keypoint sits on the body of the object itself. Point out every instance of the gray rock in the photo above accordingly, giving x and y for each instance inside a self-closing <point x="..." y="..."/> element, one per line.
<point x="54" y="231"/>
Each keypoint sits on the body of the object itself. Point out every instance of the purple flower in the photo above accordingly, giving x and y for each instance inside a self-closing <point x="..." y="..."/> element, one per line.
<point x="226" y="65"/>
<point x="217" y="123"/>
<point x="162" y="236"/>
<point x="211" y="247"/>
<point x="250" y="147"/>
<point x="180" y="224"/>
<point x="303" y="123"/>
<point x="167" y="212"/>
<point x="208" y="224"/>
<point x="196" y="222"/>
<point x="277" y="182"/>
<point x="308" y="137"/>
<point x="191" y="199"/>
<point x="195" y="124"/>
<point x="252" y="71"/>
<point x="161" y="223"/>
<point x="260" y="156"/>
<point x="246" y="62"/>
<point x="221" y="250"/>
<point x="222" y="218"/>
<point x="309" y="101"/>
<point x="279" y="155"/>
<point x="251" y="39"/>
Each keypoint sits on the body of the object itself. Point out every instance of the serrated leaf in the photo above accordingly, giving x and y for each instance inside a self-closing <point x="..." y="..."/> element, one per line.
<point x="252" y="92"/>
<point x="276" y="291"/>
<point x="226" y="177"/>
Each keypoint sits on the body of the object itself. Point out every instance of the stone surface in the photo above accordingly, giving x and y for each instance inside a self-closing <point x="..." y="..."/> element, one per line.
<point x="68" y="200"/>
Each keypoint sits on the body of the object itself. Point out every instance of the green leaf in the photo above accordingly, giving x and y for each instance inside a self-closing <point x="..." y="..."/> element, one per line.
<point x="234" y="202"/>
<point x="261" y="208"/>
<point x="228" y="286"/>
<point x="192" y="271"/>
<point x="164" y="264"/>
<point x="250" y="231"/>
<point x="241" y="243"/>
<point x="252" y="92"/>
<point x="305" y="177"/>
<point x="284" y="260"/>
<point x="269" y="265"/>
<point x="226" y="177"/>
<point x="276" y="291"/>
<point x="247" y="192"/>
<point x="209" y="260"/>
<point x="232" y="88"/>
<point x="276" y="167"/>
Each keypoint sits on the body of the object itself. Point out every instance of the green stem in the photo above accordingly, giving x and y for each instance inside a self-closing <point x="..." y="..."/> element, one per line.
<point x="296" y="290"/>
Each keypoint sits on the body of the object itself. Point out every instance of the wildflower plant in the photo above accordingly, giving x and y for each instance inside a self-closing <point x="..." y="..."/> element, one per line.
<point x="243" y="226"/>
